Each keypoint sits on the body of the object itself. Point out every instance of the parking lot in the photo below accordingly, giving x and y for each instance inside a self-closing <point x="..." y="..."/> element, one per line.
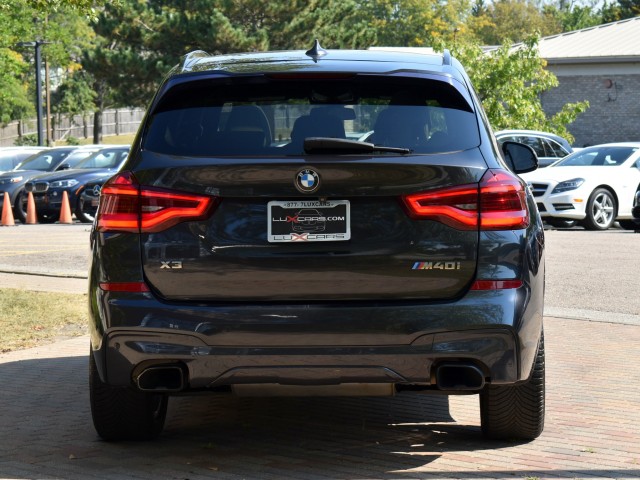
<point x="592" y="330"/>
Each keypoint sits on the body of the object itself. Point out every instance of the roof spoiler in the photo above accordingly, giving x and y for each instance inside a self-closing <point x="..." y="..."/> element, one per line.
<point x="190" y="59"/>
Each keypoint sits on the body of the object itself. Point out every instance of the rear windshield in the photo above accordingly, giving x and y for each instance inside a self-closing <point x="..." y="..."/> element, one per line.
<point x="273" y="116"/>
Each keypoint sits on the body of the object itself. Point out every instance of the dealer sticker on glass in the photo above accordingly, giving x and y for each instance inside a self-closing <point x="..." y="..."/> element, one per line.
<point x="309" y="221"/>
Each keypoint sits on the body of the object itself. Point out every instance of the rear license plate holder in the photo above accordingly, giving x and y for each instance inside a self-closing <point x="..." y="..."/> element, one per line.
<point x="309" y="221"/>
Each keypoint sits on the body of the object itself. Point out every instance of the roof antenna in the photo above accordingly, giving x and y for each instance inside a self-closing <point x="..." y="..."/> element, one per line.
<point x="316" y="51"/>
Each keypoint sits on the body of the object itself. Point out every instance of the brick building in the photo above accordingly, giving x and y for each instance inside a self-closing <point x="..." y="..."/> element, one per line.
<point x="602" y="65"/>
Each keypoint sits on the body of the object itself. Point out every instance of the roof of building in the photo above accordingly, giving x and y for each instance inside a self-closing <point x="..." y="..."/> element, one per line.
<point x="616" y="42"/>
<point x="611" y="42"/>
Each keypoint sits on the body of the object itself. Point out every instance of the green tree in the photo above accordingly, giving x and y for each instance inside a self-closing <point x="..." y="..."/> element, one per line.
<point x="14" y="100"/>
<point x="76" y="95"/>
<point x="67" y="32"/>
<point x="515" y="20"/>
<point x="138" y="42"/>
<point x="509" y="82"/>
<point x="14" y="93"/>
<point x="364" y="23"/>
<point x="574" y="16"/>
<point x="629" y="8"/>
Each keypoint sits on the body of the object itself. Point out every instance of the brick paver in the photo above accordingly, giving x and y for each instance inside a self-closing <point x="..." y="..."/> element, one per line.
<point x="593" y="413"/>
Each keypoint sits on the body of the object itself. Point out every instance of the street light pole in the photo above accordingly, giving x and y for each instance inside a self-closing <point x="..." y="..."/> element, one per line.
<point x="37" y="45"/>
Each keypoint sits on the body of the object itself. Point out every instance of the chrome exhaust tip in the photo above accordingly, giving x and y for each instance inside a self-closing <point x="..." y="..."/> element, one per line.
<point x="459" y="377"/>
<point x="161" y="379"/>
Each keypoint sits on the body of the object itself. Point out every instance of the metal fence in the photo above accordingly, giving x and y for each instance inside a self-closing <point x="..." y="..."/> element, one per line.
<point x="114" y="122"/>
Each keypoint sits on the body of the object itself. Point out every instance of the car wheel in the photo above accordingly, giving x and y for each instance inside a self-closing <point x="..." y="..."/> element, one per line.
<point x="20" y="207"/>
<point x="628" y="224"/>
<point x="84" y="211"/>
<point x="123" y="413"/>
<point x="516" y="411"/>
<point x="601" y="210"/>
<point x="560" y="222"/>
<point x="47" y="218"/>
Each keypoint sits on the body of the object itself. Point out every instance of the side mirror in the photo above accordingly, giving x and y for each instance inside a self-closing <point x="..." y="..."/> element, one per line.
<point x="64" y="166"/>
<point x="520" y="158"/>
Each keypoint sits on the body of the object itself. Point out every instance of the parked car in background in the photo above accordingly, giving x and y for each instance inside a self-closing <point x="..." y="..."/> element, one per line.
<point x="10" y="157"/>
<point x="226" y="261"/>
<point x="549" y="147"/>
<point x="595" y="186"/>
<point x="90" y="197"/>
<point x="48" y="160"/>
<point x="48" y="188"/>
<point x="636" y="214"/>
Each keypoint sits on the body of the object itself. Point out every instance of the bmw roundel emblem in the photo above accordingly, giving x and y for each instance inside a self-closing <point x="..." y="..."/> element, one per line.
<point x="307" y="181"/>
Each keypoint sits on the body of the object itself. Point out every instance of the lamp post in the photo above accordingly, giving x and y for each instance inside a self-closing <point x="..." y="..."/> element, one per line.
<point x="37" y="45"/>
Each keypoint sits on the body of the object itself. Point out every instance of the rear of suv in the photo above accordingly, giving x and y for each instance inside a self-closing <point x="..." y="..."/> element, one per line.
<point x="250" y="244"/>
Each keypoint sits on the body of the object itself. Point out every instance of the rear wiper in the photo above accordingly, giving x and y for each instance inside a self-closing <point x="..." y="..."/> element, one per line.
<point x="343" y="145"/>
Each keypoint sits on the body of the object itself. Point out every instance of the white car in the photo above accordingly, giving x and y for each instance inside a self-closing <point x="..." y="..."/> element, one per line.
<point x="595" y="186"/>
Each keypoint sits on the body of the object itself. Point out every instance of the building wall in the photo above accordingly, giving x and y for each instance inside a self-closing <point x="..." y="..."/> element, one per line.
<point x="614" y="98"/>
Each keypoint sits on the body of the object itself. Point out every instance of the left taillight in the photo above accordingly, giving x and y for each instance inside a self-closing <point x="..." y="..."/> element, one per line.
<point x="498" y="202"/>
<point x="127" y="206"/>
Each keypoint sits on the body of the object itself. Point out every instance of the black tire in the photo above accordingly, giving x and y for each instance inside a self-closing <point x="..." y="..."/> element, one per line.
<point x="85" y="213"/>
<point x="561" y="222"/>
<point x="629" y="224"/>
<point x="20" y="206"/>
<point x="47" y="218"/>
<point x="602" y="209"/>
<point x="123" y="413"/>
<point x="515" y="412"/>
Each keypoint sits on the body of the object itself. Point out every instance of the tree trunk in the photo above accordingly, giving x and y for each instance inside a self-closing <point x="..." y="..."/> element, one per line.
<point x="97" y="127"/>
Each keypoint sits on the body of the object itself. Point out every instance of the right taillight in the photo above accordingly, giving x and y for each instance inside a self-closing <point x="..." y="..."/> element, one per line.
<point x="127" y="206"/>
<point x="498" y="202"/>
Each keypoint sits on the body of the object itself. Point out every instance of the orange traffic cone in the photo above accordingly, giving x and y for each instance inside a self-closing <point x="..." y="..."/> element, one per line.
<point x="7" y="212"/>
<point x="32" y="218"/>
<point x="65" y="209"/>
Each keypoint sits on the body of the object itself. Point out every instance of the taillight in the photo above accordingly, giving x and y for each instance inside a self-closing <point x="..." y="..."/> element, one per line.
<point x="455" y="206"/>
<point x="503" y="201"/>
<point x="127" y="206"/>
<point x="498" y="202"/>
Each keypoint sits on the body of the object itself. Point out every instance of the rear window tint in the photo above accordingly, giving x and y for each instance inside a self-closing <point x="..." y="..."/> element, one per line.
<point x="272" y="117"/>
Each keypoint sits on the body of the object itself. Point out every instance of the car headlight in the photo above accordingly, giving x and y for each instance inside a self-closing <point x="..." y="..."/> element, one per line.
<point x="568" y="185"/>
<point x="15" y="179"/>
<point x="64" y="183"/>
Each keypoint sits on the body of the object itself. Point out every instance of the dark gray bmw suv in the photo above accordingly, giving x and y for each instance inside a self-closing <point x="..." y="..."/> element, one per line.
<point x="428" y="273"/>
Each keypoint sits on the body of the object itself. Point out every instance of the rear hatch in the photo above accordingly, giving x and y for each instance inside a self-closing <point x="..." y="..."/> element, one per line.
<point x="311" y="190"/>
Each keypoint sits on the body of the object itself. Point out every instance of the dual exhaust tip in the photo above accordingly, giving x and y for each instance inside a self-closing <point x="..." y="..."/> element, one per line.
<point x="455" y="376"/>
<point x="452" y="376"/>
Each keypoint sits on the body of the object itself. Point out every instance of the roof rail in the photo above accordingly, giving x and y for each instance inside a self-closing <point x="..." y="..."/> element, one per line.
<point x="190" y="59"/>
<point x="446" y="57"/>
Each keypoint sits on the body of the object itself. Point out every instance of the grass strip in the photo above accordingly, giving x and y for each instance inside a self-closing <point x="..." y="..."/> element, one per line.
<point x="29" y="319"/>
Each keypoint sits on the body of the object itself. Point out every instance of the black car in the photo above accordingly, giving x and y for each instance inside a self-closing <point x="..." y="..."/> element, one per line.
<point x="49" y="160"/>
<point x="90" y="197"/>
<point x="48" y="188"/>
<point x="427" y="277"/>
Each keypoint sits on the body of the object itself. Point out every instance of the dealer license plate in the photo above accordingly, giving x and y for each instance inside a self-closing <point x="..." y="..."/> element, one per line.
<point x="309" y="221"/>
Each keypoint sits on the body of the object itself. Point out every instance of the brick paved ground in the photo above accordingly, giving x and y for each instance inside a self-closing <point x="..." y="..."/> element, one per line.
<point x="593" y="413"/>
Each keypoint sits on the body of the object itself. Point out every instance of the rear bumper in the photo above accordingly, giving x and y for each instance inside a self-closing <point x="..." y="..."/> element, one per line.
<point x="495" y="331"/>
<point x="128" y="353"/>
